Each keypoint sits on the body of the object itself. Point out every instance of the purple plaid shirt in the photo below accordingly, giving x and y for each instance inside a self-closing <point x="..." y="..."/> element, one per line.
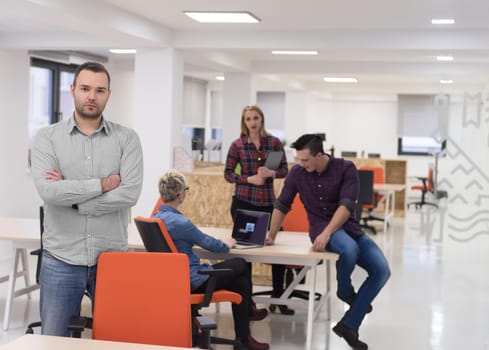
<point x="242" y="151"/>
<point x="322" y="194"/>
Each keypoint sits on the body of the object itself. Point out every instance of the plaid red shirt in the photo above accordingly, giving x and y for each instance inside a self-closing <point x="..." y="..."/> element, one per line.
<point x="242" y="151"/>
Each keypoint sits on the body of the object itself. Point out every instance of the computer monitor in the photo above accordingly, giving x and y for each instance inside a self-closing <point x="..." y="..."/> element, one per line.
<point x="420" y="146"/>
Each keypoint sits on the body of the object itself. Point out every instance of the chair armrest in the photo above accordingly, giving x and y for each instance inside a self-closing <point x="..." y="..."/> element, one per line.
<point x="211" y="283"/>
<point x="36" y="252"/>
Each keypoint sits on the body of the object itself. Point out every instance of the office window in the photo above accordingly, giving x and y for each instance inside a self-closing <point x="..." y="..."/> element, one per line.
<point x="49" y="97"/>
<point x="422" y="123"/>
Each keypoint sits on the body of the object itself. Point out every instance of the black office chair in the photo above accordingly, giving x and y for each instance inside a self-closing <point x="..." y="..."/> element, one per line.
<point x="352" y="154"/>
<point x="365" y="196"/>
<point x="38" y="253"/>
<point x="373" y="155"/>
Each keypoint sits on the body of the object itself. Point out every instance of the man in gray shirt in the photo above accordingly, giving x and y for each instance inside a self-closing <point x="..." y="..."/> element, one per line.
<point x="89" y="172"/>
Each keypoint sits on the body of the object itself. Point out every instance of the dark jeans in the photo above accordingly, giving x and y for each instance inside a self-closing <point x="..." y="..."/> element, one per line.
<point x="278" y="271"/>
<point x="237" y="280"/>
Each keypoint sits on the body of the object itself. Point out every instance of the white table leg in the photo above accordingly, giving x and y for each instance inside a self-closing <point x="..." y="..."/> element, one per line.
<point x="310" y="308"/>
<point x="10" y="288"/>
<point x="25" y="270"/>
<point x="19" y="253"/>
<point x="328" y="289"/>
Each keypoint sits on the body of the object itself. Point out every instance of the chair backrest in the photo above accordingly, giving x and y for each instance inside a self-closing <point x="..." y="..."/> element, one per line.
<point x="366" y="196"/>
<point x="378" y="173"/>
<point x="349" y="154"/>
<point x="143" y="298"/>
<point x="154" y="234"/>
<point x="159" y="203"/>
<point x="373" y="155"/>
<point x="430" y="179"/>
<point x="296" y="218"/>
<point x="39" y="251"/>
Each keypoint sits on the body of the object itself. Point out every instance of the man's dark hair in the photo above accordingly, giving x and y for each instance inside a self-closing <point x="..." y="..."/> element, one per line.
<point x="313" y="142"/>
<point x="93" y="67"/>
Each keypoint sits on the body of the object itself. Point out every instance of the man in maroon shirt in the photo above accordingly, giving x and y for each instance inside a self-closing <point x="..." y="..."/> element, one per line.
<point x="328" y="188"/>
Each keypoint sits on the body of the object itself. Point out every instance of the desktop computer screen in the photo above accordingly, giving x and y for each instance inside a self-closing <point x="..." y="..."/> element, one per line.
<point x="420" y="146"/>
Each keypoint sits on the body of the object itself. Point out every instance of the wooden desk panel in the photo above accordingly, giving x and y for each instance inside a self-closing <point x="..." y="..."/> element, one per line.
<point x="46" y="342"/>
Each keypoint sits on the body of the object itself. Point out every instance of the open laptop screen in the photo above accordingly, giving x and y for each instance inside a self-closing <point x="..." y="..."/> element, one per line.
<point x="250" y="226"/>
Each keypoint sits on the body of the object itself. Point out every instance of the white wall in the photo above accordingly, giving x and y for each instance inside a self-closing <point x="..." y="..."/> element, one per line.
<point x="194" y="102"/>
<point x="18" y="195"/>
<point x="363" y="123"/>
<point x="120" y="106"/>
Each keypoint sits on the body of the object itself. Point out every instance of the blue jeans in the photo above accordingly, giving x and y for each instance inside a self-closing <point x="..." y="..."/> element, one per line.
<point x="62" y="289"/>
<point x="361" y="251"/>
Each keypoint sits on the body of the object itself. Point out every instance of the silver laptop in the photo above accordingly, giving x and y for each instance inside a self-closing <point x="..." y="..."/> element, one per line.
<point x="250" y="228"/>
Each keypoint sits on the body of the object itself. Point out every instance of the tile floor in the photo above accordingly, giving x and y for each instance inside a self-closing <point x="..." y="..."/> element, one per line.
<point x="437" y="297"/>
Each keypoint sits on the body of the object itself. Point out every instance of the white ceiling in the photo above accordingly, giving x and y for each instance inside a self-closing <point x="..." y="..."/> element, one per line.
<point x="389" y="45"/>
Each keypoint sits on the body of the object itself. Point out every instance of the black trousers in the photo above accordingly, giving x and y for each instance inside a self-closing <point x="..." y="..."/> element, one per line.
<point x="237" y="280"/>
<point x="278" y="271"/>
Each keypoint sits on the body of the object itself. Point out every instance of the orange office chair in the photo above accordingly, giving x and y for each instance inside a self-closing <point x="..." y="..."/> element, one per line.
<point x="295" y="220"/>
<point x="143" y="298"/>
<point x="427" y="186"/>
<point x="371" y="206"/>
<point x="156" y="238"/>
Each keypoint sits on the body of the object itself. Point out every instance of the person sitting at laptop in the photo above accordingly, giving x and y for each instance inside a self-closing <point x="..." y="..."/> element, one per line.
<point x="185" y="235"/>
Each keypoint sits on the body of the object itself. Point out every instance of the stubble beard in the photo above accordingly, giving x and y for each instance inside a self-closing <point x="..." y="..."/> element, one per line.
<point x="84" y="113"/>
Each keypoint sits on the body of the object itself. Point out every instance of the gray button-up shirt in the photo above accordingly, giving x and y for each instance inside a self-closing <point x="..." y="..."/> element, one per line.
<point x="100" y="223"/>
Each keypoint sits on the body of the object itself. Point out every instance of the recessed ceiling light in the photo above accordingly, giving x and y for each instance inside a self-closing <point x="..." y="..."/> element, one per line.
<point x="340" y="80"/>
<point x="222" y="17"/>
<point x="123" y="51"/>
<point x="442" y="21"/>
<point x="294" y="52"/>
<point x="220" y="77"/>
<point x="444" y="58"/>
<point x="446" y="81"/>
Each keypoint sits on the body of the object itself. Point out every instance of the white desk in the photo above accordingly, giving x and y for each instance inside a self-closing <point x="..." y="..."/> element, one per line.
<point x="291" y="248"/>
<point x="45" y="342"/>
<point x="24" y="234"/>
<point x="389" y="199"/>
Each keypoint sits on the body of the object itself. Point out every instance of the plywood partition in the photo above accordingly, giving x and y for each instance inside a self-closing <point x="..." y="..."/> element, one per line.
<point x="209" y="198"/>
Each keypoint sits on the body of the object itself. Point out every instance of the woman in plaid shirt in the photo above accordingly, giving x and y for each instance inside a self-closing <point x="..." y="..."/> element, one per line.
<point x="254" y="182"/>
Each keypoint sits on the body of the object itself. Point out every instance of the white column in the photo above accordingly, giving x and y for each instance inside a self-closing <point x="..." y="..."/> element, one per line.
<point x="158" y="84"/>
<point x="296" y="119"/>
<point x="19" y="197"/>
<point x="236" y="95"/>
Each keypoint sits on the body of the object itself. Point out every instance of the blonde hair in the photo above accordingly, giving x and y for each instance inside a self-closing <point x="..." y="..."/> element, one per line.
<point x="171" y="184"/>
<point x="244" y="129"/>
